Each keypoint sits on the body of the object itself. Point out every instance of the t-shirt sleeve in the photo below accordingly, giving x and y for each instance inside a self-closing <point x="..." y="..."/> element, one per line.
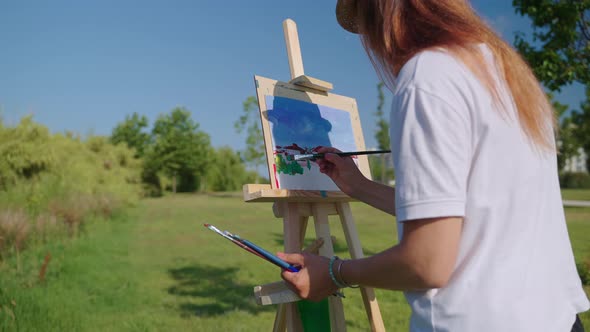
<point x="431" y="143"/>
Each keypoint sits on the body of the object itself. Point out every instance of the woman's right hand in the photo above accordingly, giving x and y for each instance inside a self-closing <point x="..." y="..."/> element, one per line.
<point x="342" y="170"/>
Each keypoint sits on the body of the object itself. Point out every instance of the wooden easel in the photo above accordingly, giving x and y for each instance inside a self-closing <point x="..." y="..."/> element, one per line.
<point x="295" y="207"/>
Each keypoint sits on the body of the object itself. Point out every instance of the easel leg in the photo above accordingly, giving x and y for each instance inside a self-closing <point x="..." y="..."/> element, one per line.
<point x="322" y="230"/>
<point x="293" y="232"/>
<point x="356" y="251"/>
<point x="280" y="319"/>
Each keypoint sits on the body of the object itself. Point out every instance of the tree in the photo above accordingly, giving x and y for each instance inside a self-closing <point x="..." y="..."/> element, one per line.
<point x="567" y="144"/>
<point x="227" y="172"/>
<point x="180" y="149"/>
<point x="131" y="131"/>
<point x="581" y="123"/>
<point x="561" y="37"/>
<point x="382" y="136"/>
<point x="560" y="55"/>
<point x="249" y="121"/>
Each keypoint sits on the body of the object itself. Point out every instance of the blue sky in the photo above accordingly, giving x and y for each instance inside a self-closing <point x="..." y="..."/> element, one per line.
<point x="83" y="65"/>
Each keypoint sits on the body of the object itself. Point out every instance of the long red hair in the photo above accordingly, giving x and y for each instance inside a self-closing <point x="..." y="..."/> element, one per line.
<point x="393" y="31"/>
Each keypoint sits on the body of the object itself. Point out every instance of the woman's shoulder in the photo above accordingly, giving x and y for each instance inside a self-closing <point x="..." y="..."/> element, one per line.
<point x="431" y="69"/>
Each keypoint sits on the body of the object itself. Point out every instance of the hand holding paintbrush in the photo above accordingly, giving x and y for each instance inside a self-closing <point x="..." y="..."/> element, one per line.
<point x="342" y="170"/>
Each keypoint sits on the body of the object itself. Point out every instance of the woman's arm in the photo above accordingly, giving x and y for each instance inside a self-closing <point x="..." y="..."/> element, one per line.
<point x="424" y="259"/>
<point x="376" y="194"/>
<point x="344" y="172"/>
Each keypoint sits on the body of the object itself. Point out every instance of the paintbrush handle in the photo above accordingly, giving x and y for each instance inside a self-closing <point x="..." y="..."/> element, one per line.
<point x="315" y="156"/>
<point x="357" y="153"/>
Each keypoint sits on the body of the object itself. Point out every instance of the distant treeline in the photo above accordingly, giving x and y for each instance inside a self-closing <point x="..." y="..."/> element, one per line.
<point x="177" y="156"/>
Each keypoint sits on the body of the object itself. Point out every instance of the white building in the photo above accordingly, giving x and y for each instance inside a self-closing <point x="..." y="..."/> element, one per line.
<point x="576" y="163"/>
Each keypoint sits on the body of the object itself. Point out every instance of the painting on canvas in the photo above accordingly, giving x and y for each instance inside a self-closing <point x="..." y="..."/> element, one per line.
<point x="299" y="127"/>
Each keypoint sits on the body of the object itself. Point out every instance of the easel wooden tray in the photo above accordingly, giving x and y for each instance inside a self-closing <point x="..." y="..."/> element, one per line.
<point x="264" y="193"/>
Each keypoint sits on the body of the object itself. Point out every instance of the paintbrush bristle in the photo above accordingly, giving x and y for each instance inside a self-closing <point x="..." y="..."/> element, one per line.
<point x="300" y="157"/>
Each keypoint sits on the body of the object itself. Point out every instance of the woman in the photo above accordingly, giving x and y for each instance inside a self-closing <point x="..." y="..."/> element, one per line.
<point x="483" y="240"/>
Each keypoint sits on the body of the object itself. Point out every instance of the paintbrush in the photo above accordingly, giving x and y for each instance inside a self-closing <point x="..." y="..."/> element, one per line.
<point x="314" y="156"/>
<point x="230" y="237"/>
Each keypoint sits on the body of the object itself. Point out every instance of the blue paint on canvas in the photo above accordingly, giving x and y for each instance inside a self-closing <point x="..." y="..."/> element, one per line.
<point x="309" y="125"/>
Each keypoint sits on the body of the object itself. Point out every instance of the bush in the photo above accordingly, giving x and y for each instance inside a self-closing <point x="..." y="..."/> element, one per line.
<point x="25" y="152"/>
<point x="227" y="172"/>
<point x="14" y="231"/>
<point x="572" y="180"/>
<point x="51" y="184"/>
<point x="584" y="272"/>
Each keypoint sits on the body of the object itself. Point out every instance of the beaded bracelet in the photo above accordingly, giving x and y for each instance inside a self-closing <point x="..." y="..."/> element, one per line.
<point x="331" y="271"/>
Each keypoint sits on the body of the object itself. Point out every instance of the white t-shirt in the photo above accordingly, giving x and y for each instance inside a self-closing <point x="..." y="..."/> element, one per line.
<point x="456" y="154"/>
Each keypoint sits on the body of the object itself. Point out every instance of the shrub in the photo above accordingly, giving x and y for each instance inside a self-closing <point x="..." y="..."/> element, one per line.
<point x="47" y="227"/>
<point x="71" y="211"/>
<point x="227" y="172"/>
<point x="50" y="184"/>
<point x="25" y="152"/>
<point x="577" y="180"/>
<point x="584" y="271"/>
<point x="14" y="230"/>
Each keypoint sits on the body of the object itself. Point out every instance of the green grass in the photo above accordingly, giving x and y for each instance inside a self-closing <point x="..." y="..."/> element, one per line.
<point x="576" y="194"/>
<point x="158" y="269"/>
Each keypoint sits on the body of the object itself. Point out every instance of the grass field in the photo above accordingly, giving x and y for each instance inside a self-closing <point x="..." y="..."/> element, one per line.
<point x="157" y="268"/>
<point x="576" y="194"/>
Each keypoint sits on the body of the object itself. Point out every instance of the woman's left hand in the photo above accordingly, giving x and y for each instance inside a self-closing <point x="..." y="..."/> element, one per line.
<point x="313" y="281"/>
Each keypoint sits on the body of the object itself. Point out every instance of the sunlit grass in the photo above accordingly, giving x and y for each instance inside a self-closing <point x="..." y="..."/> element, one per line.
<point x="159" y="269"/>
<point x="576" y="194"/>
